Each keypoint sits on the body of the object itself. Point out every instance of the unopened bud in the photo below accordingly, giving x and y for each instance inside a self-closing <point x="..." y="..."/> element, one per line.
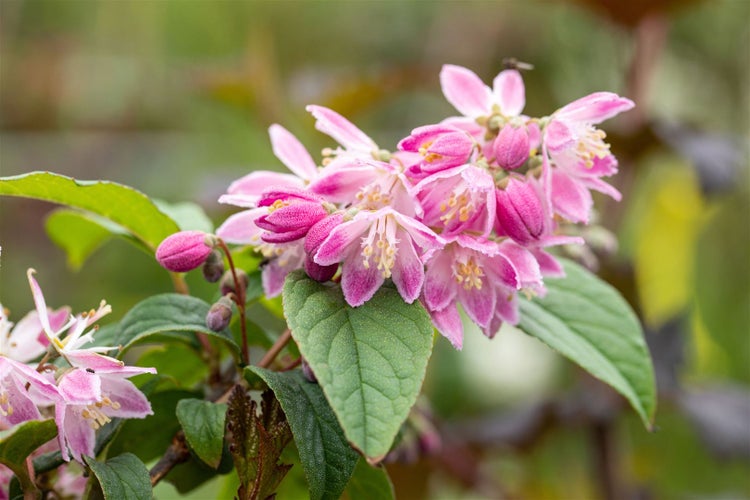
<point x="219" y="315"/>
<point x="511" y="147"/>
<point x="183" y="251"/>
<point x="213" y="268"/>
<point x="229" y="286"/>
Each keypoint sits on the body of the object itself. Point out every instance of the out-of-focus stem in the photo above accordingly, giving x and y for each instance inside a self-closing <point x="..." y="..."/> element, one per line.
<point x="275" y="349"/>
<point x="239" y="299"/>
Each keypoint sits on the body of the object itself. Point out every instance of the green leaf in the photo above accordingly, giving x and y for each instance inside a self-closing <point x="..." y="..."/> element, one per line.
<point x="123" y="477"/>
<point x="123" y="205"/>
<point x="325" y="454"/>
<point x="170" y="314"/>
<point x="588" y="321"/>
<point x="203" y="423"/>
<point x="370" y="482"/>
<point x="370" y="360"/>
<point x="19" y="442"/>
<point x="189" y="216"/>
<point x="80" y="234"/>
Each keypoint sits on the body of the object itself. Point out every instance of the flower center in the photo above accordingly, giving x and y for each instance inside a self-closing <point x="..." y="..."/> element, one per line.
<point x="457" y="206"/>
<point x="468" y="274"/>
<point x="372" y="197"/>
<point x="94" y="414"/>
<point x="591" y="145"/>
<point x="380" y="245"/>
<point x="6" y="409"/>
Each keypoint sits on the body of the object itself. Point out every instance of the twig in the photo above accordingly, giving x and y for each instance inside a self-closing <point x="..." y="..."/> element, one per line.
<point x="275" y="349"/>
<point x="176" y="454"/>
<point x="239" y="295"/>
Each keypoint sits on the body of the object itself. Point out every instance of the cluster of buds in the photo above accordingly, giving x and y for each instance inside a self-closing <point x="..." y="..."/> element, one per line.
<point x="459" y="214"/>
<point x="46" y="371"/>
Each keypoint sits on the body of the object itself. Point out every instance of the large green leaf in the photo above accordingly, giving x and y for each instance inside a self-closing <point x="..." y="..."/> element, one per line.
<point x="123" y="477"/>
<point x="370" y="482"/>
<point x="203" y="424"/>
<point x="123" y="205"/>
<point x="325" y="454"/>
<point x="19" y="442"/>
<point x="370" y="360"/>
<point x="588" y="321"/>
<point x="171" y="314"/>
<point x="80" y="234"/>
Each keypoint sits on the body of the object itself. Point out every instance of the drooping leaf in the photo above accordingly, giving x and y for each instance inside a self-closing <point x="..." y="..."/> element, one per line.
<point x="257" y="442"/>
<point x="370" y="482"/>
<point x="80" y="234"/>
<point x="19" y="442"/>
<point x="203" y="424"/>
<point x="370" y="360"/>
<point x="326" y="456"/>
<point x="123" y="205"/>
<point x="123" y="477"/>
<point x="171" y="314"/>
<point x="588" y="321"/>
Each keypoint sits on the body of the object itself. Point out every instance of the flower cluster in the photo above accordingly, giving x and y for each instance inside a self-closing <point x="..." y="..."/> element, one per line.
<point x="83" y="391"/>
<point x="459" y="214"/>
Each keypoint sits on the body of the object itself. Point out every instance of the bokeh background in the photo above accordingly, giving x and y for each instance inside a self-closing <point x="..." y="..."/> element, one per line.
<point x="174" y="98"/>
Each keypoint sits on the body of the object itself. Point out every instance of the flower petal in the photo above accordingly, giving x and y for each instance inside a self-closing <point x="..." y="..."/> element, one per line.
<point x="510" y="92"/>
<point x="465" y="91"/>
<point x="479" y="304"/>
<point x="240" y="228"/>
<point x="333" y="248"/>
<point x="570" y="198"/>
<point x="291" y="152"/>
<point x="439" y="288"/>
<point x="359" y="283"/>
<point x="77" y="435"/>
<point x="557" y="136"/>
<point x="133" y="404"/>
<point x="79" y="386"/>
<point x="448" y="322"/>
<point x="342" y="130"/>
<point x="595" y="108"/>
<point x="408" y="270"/>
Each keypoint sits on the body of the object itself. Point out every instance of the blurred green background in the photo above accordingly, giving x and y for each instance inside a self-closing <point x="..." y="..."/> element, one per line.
<point x="175" y="97"/>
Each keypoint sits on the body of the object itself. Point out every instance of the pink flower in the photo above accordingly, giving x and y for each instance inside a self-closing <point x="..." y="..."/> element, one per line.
<point x="183" y="251"/>
<point x="374" y="246"/>
<point x="315" y="237"/>
<point x="355" y="142"/>
<point x="458" y="199"/>
<point x="27" y="341"/>
<point x="579" y="153"/>
<point x="439" y="147"/>
<point x="22" y="390"/>
<point x="483" y="277"/>
<point x="472" y="98"/>
<point x="291" y="214"/>
<point x="92" y="395"/>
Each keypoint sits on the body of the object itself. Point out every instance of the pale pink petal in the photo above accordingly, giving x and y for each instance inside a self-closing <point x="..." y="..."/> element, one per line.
<point x="465" y="91"/>
<point x="339" y="183"/>
<point x="359" y="283"/>
<point x="548" y="265"/>
<point x="603" y="187"/>
<point x="422" y="235"/>
<point x="133" y="404"/>
<point x="439" y="287"/>
<point x="448" y="322"/>
<point x="333" y="248"/>
<point x="292" y="153"/>
<point x="79" y="386"/>
<point x="254" y="183"/>
<point x="478" y="304"/>
<point x="557" y="136"/>
<point x="510" y="92"/>
<point x="342" y="130"/>
<point x="570" y="198"/>
<point x="24" y="408"/>
<point x="41" y="306"/>
<point x="78" y="434"/>
<point x="240" y="228"/>
<point x="408" y="270"/>
<point x="595" y="108"/>
<point x="525" y="265"/>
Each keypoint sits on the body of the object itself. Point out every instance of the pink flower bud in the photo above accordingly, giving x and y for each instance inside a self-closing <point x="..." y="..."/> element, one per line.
<point x="440" y="147"/>
<point x="315" y="237"/>
<point x="511" y="147"/>
<point x="291" y="214"/>
<point x="219" y="315"/>
<point x="183" y="251"/>
<point x="520" y="212"/>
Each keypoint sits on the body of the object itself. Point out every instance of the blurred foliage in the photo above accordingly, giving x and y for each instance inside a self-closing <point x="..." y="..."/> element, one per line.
<point x="174" y="99"/>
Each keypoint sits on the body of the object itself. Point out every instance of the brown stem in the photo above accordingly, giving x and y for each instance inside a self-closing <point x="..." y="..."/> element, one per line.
<point x="179" y="283"/>
<point x="176" y="454"/>
<point x="604" y="457"/>
<point x="239" y="299"/>
<point x="291" y="366"/>
<point x="275" y="349"/>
